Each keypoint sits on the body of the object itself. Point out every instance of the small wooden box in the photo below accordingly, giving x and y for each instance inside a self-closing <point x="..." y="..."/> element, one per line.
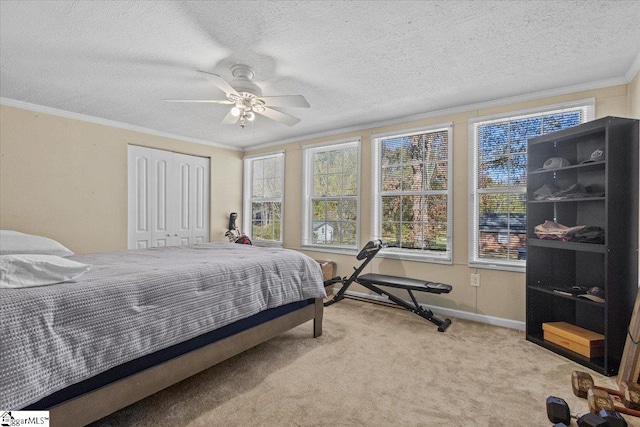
<point x="328" y="272"/>
<point x="582" y="341"/>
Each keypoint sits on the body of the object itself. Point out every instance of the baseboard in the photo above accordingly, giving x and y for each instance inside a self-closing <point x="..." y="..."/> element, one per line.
<point x="449" y="312"/>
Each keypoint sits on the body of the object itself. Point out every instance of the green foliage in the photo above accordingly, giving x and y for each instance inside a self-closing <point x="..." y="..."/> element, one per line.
<point x="267" y="221"/>
<point x="414" y="180"/>
<point x="333" y="201"/>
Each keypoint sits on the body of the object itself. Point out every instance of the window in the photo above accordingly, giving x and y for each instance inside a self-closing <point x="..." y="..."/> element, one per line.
<point x="330" y="200"/>
<point x="412" y="193"/>
<point x="263" y="198"/>
<point x="498" y="179"/>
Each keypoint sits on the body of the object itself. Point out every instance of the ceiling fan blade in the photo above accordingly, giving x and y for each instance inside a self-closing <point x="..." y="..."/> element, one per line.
<point x="212" y="101"/>
<point x="220" y="82"/>
<point x="285" y="101"/>
<point x="279" y="116"/>
<point x="229" y="119"/>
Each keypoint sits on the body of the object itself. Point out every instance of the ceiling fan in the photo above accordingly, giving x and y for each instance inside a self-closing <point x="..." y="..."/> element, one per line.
<point x="247" y="100"/>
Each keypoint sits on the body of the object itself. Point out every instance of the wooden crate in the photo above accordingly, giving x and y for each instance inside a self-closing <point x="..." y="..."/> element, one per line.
<point x="328" y="272"/>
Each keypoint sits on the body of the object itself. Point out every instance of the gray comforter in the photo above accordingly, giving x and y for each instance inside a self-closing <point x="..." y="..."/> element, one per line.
<point x="132" y="303"/>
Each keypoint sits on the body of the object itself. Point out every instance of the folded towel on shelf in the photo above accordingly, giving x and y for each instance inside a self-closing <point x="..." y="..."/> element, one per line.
<point x="554" y="230"/>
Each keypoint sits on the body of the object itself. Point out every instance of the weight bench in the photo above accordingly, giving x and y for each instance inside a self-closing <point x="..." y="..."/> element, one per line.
<point x="374" y="282"/>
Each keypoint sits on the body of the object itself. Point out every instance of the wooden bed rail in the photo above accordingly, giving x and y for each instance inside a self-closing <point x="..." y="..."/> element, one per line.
<point x="99" y="403"/>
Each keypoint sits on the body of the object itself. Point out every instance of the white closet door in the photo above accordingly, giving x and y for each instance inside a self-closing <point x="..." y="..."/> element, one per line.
<point x="163" y="211"/>
<point x="168" y="198"/>
<point x="200" y="228"/>
<point x="139" y="198"/>
<point x="192" y="193"/>
<point x="184" y="200"/>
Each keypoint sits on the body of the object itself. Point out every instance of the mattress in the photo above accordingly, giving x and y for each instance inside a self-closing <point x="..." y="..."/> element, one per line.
<point x="133" y="303"/>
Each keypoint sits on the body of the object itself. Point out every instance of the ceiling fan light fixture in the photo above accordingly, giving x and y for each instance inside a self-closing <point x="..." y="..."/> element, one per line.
<point x="246" y="99"/>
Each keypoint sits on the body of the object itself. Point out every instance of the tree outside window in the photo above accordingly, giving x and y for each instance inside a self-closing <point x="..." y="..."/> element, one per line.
<point x="413" y="192"/>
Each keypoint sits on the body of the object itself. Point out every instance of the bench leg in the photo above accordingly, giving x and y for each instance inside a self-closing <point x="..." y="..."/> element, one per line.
<point x="415" y="308"/>
<point x="428" y="314"/>
<point x="340" y="294"/>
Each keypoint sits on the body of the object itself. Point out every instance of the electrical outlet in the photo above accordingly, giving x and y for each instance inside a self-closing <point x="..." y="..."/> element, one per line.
<point x="475" y="280"/>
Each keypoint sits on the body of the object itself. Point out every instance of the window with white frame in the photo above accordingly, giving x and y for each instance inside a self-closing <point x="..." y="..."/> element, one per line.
<point x="331" y="192"/>
<point x="498" y="180"/>
<point x="412" y="194"/>
<point x="264" y="198"/>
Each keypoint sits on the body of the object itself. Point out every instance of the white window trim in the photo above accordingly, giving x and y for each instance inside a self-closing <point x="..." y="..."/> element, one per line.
<point x="587" y="104"/>
<point x="404" y="254"/>
<point x="246" y="198"/>
<point x="307" y="190"/>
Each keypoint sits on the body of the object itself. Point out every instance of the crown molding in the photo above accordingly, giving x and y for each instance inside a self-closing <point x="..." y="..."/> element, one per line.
<point x="634" y="69"/>
<point x="111" y="123"/>
<point x="565" y="90"/>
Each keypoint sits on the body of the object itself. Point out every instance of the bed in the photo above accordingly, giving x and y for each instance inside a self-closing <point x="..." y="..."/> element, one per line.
<point x="139" y="321"/>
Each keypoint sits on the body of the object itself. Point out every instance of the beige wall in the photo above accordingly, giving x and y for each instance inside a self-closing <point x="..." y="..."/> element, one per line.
<point x="502" y="293"/>
<point x="67" y="179"/>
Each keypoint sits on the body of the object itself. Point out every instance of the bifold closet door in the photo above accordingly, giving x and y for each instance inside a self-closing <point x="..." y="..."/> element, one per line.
<point x="191" y="206"/>
<point x="168" y="198"/>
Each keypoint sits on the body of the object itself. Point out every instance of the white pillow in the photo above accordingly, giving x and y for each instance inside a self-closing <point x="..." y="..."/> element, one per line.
<point x="14" y="242"/>
<point x="26" y="270"/>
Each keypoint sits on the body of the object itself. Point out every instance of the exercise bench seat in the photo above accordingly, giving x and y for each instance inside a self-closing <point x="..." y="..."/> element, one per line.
<point x="376" y="283"/>
<point x="405" y="283"/>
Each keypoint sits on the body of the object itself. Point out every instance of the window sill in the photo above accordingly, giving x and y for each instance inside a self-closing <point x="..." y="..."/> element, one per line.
<point x="498" y="266"/>
<point x="415" y="257"/>
<point x="331" y="250"/>
<point x="266" y="244"/>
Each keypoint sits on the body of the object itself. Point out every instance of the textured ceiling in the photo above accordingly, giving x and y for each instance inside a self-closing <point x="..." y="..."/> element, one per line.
<point x="356" y="62"/>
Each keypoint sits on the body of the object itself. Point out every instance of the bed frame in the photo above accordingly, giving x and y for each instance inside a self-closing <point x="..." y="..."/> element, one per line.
<point x="103" y="401"/>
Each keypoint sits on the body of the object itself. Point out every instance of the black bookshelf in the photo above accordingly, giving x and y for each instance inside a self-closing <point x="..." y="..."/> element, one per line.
<point x="611" y="204"/>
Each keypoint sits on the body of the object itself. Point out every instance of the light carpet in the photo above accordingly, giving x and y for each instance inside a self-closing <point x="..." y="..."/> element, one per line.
<point x="373" y="366"/>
